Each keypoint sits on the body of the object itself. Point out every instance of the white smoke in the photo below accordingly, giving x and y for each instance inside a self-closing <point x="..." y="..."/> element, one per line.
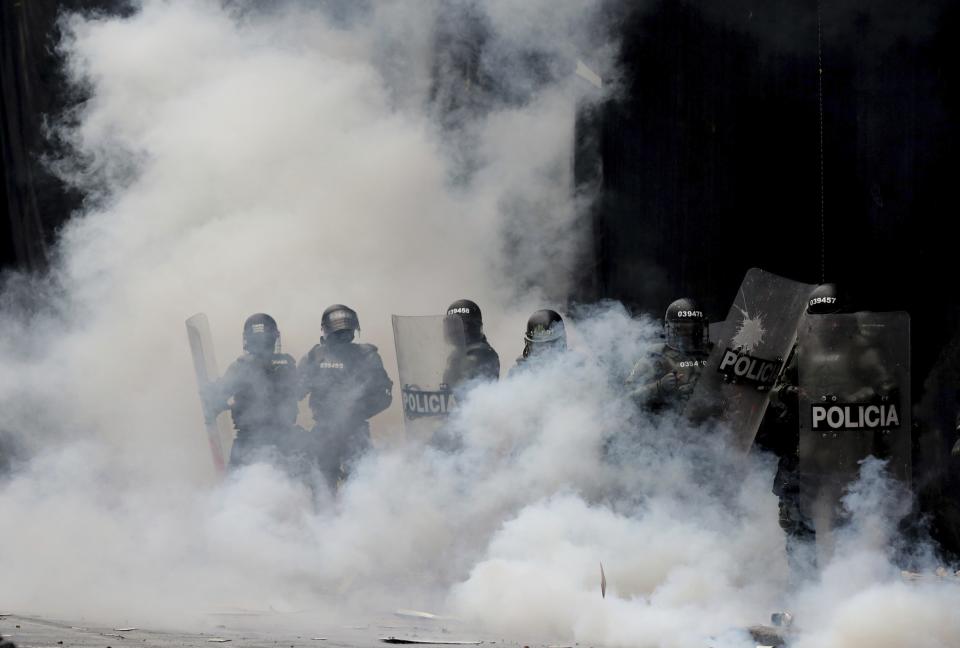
<point x="238" y="160"/>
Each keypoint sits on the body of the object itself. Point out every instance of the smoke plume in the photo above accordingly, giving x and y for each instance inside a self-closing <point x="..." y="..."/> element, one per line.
<point x="391" y="156"/>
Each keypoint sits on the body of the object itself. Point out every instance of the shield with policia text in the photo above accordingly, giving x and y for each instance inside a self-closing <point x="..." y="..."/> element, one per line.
<point x="716" y="329"/>
<point x="748" y="354"/>
<point x="422" y="352"/>
<point x="854" y="394"/>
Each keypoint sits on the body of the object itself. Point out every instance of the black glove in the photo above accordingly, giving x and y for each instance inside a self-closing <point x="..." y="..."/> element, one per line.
<point x="669" y="384"/>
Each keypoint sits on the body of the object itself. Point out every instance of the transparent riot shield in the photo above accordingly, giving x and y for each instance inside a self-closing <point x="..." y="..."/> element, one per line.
<point x="219" y="429"/>
<point x="716" y="329"/>
<point x="751" y="346"/>
<point x="854" y="394"/>
<point x="422" y="353"/>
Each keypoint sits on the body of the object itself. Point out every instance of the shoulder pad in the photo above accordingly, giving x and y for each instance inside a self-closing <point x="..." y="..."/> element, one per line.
<point x="366" y="349"/>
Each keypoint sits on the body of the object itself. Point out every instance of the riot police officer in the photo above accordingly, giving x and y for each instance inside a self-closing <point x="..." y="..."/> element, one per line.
<point x="677" y="366"/>
<point x="545" y="334"/>
<point x="260" y="390"/>
<point x="823" y="300"/>
<point x="780" y="434"/>
<point x="346" y="385"/>
<point x="471" y="356"/>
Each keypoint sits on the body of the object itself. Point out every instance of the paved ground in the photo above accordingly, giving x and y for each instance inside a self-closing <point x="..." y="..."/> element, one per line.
<point x="240" y="631"/>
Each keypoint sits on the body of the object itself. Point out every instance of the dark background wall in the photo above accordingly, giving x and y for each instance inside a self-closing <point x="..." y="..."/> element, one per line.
<point x="33" y="203"/>
<point x="24" y="30"/>
<point x="710" y="152"/>
<point x="711" y="157"/>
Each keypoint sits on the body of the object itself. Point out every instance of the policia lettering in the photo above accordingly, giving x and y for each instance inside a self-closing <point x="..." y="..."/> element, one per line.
<point x="418" y="402"/>
<point x="744" y="368"/>
<point x="854" y="417"/>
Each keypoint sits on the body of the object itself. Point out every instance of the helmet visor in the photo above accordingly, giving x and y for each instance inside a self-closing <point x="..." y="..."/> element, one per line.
<point x="261" y="342"/>
<point x="686" y="336"/>
<point x="340" y="320"/>
<point x="454" y="331"/>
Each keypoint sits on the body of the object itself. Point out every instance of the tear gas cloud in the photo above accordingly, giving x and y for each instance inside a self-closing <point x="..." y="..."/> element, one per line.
<point x="236" y="160"/>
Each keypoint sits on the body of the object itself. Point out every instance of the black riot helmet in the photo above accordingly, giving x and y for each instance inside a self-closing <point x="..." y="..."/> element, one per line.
<point x="463" y="323"/>
<point x="823" y="300"/>
<point x="545" y="329"/>
<point x="685" y="326"/>
<point x="261" y="335"/>
<point x="339" y="323"/>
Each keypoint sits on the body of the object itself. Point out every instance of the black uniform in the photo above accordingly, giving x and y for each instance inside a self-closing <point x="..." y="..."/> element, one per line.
<point x="347" y="385"/>
<point x="471" y="357"/>
<point x="260" y="389"/>
<point x="677" y="366"/>
<point x="674" y="376"/>
<point x="779" y="434"/>
<point x="937" y="468"/>
<point x="471" y="362"/>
